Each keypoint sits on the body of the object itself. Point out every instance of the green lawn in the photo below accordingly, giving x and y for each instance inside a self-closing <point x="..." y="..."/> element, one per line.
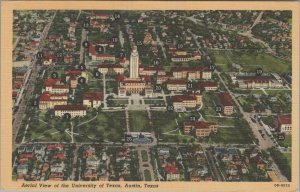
<point x="144" y="156"/>
<point x="121" y="101"/>
<point x="107" y="126"/>
<point x="42" y="128"/>
<point x="287" y="142"/>
<point x="147" y="175"/>
<point x="221" y="120"/>
<point x="165" y="121"/>
<point x="95" y="85"/>
<point x="139" y="121"/>
<point x="221" y="61"/>
<point x="112" y="87"/>
<point x="289" y="157"/>
<point x="154" y="102"/>
<point x="248" y="103"/>
<point x="278" y="92"/>
<point x="59" y="71"/>
<point x="251" y="61"/>
<point x="229" y="135"/>
<point x="210" y="101"/>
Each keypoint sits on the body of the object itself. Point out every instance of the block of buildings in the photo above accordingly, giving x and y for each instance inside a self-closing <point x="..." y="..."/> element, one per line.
<point x="226" y="103"/>
<point x="284" y="123"/>
<point x="110" y="69"/>
<point x="200" y="128"/>
<point x="48" y="100"/>
<point x="181" y="102"/>
<point x="73" y="110"/>
<point x="55" y="86"/>
<point x="93" y="100"/>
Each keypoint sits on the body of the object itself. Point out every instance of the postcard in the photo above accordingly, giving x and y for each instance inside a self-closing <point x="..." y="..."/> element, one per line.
<point x="149" y="96"/>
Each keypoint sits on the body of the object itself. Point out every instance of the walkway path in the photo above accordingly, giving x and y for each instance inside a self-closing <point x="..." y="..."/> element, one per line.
<point x="127" y="120"/>
<point x="147" y="163"/>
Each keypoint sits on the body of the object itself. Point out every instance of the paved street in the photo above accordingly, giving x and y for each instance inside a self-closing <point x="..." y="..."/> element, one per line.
<point x="145" y="165"/>
<point x="29" y="87"/>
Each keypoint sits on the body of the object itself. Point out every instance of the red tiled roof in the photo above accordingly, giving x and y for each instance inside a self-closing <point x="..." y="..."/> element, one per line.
<point x="14" y="94"/>
<point x="49" y="97"/>
<point x="149" y="68"/>
<point x="133" y="81"/>
<point x="177" y="81"/>
<point x="60" y="86"/>
<point x="70" y="107"/>
<point x="284" y="119"/>
<point x="205" y="68"/>
<point x="49" y="56"/>
<point x="75" y="72"/>
<point x="93" y="96"/>
<point x="101" y="15"/>
<point x="181" y="98"/>
<point x="181" y="56"/>
<point x="51" y="82"/>
<point x="225" y="99"/>
<point x="120" y="77"/>
<point x="256" y="79"/>
<point x="104" y="55"/>
<point x="188" y="69"/>
<point x="171" y="169"/>
<point x="146" y="77"/>
<point x="53" y="146"/>
<point x="110" y="66"/>
<point x="258" y="160"/>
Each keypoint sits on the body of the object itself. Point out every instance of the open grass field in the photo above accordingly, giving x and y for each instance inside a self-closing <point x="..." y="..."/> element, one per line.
<point x="289" y="158"/>
<point x="103" y="126"/>
<point x="229" y="135"/>
<point x="221" y="61"/>
<point x="154" y="101"/>
<point x="251" y="61"/>
<point x="287" y="142"/>
<point x="221" y="121"/>
<point x="139" y="121"/>
<point x="210" y="101"/>
<point x="163" y="122"/>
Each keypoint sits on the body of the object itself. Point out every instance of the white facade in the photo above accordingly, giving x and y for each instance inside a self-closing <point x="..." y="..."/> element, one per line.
<point x="286" y="128"/>
<point x="92" y="103"/>
<point x="134" y="63"/>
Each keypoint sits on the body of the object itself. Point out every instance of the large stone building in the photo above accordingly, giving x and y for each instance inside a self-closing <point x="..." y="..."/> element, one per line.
<point x="108" y="69"/>
<point x="134" y="63"/>
<point x="55" y="86"/>
<point x="181" y="102"/>
<point x="136" y="83"/>
<point x="72" y="76"/>
<point x="250" y="81"/>
<point x="227" y="103"/>
<point x="93" y="99"/>
<point x="177" y="84"/>
<point x="48" y="100"/>
<point x="284" y="124"/>
<point x="200" y="128"/>
<point x="191" y="73"/>
<point x="73" y="110"/>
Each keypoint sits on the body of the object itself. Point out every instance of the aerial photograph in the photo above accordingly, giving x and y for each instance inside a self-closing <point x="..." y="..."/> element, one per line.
<point x="152" y="95"/>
